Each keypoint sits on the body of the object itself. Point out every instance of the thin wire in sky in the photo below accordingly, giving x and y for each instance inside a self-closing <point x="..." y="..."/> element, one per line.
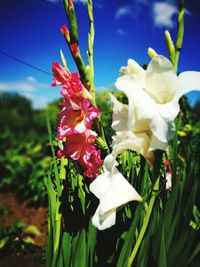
<point x="25" y="63"/>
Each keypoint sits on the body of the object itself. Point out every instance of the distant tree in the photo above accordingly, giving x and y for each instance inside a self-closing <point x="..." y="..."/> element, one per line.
<point x="196" y="110"/>
<point x="15" y="111"/>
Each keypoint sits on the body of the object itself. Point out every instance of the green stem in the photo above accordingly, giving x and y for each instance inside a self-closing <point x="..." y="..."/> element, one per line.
<point x="156" y="178"/>
<point x="145" y="223"/>
<point x="72" y="39"/>
<point x="90" y="45"/>
<point x="71" y="15"/>
<point x="179" y="43"/>
<point x="174" y="154"/>
<point x="57" y="232"/>
<point x="180" y="34"/>
<point x="55" y="212"/>
<point x="57" y="219"/>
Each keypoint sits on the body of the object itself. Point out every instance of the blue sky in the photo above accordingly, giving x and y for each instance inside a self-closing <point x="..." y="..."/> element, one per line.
<point x="29" y="30"/>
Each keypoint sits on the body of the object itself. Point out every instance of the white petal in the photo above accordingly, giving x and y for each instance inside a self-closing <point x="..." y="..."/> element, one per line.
<point x="110" y="163"/>
<point x="141" y="106"/>
<point x="134" y="69"/>
<point x="121" y="192"/>
<point x="120" y="115"/>
<point x="157" y="144"/>
<point x="108" y="222"/>
<point x="161" y="80"/>
<point x="163" y="131"/>
<point x="101" y="185"/>
<point x="118" y="191"/>
<point x="139" y="142"/>
<point x="159" y="128"/>
<point x="168" y="111"/>
<point x="188" y="81"/>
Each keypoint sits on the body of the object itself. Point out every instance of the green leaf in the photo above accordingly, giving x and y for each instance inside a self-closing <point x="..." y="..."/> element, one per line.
<point x="144" y="251"/>
<point x="60" y="260"/>
<point x="74" y="243"/>
<point x="33" y="229"/>
<point x="92" y="232"/>
<point x="66" y="248"/>
<point x="81" y="192"/>
<point x="130" y="238"/>
<point x="28" y="240"/>
<point x="194" y="254"/>
<point x="80" y="257"/>
<point x="3" y="241"/>
<point x="162" y="256"/>
<point x="51" y="222"/>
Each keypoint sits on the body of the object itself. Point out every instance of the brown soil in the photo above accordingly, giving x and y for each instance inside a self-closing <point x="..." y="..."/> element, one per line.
<point x="20" y="261"/>
<point x="20" y="211"/>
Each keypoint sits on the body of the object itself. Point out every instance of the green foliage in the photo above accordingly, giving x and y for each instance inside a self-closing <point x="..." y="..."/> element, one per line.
<point x="173" y="224"/>
<point x="104" y="103"/>
<point x="24" y="154"/>
<point x="171" y="236"/>
<point x="17" y="238"/>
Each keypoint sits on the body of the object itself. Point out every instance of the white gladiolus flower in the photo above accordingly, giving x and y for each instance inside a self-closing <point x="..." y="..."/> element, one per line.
<point x="113" y="191"/>
<point x="135" y="137"/>
<point x="153" y="97"/>
<point x="146" y="123"/>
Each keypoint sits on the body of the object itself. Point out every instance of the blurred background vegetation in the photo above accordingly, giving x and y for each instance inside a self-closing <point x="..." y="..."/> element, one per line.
<point x="24" y="153"/>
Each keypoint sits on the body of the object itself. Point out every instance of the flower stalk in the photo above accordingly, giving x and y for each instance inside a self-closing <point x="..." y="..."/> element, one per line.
<point x="174" y="52"/>
<point x="54" y="199"/>
<point x="180" y="33"/>
<point x="149" y="208"/>
<point x="145" y="223"/>
<point x="91" y="35"/>
<point x="71" y="37"/>
<point x="86" y="72"/>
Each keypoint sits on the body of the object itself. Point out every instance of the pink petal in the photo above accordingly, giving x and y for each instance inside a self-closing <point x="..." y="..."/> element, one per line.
<point x="61" y="75"/>
<point x="90" y="112"/>
<point x="93" y="162"/>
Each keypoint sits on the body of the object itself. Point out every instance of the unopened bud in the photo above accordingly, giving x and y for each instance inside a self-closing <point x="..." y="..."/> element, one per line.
<point x="151" y="52"/>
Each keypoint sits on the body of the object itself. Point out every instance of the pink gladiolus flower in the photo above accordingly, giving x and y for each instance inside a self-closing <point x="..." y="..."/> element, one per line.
<point x="77" y="144"/>
<point x="75" y="122"/>
<point x="89" y="112"/>
<point x="81" y="147"/>
<point x="71" y="82"/>
<point x="70" y="116"/>
<point x="77" y="114"/>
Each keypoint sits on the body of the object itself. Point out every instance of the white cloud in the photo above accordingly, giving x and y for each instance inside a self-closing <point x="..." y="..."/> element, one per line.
<point x="29" y="88"/>
<point x="163" y="14"/>
<point x="40" y="102"/>
<point x="28" y="85"/>
<point x="121" y="31"/>
<point x="123" y="11"/>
